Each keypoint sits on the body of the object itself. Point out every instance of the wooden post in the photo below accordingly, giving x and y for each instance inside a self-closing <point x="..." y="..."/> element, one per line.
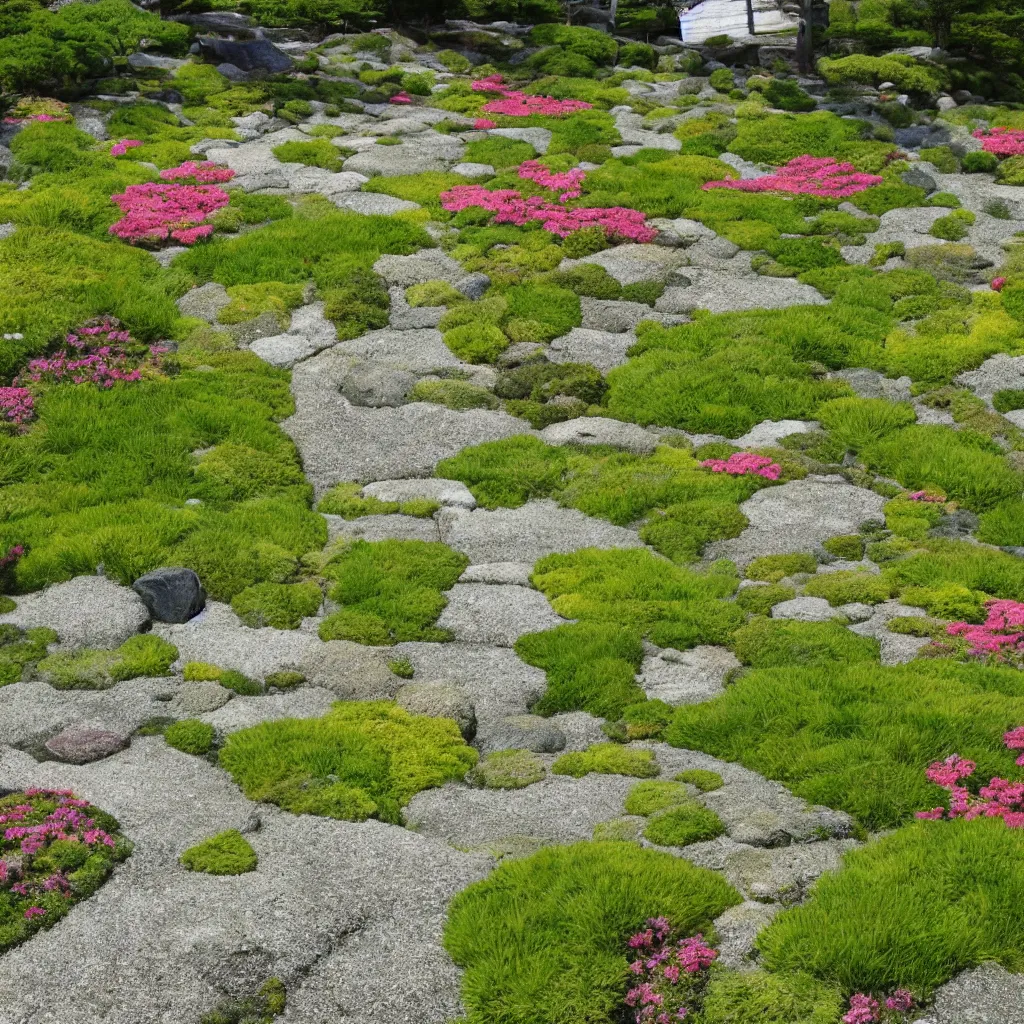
<point x="750" y="17"/>
<point x="806" y="56"/>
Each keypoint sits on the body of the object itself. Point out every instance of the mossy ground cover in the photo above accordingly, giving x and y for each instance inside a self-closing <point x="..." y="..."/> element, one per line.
<point x="361" y="760"/>
<point x="543" y="938"/>
<point x="858" y="737"/>
<point x="79" y="844"/>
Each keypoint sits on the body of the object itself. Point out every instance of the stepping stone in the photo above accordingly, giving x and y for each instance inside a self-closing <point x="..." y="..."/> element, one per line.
<point x="88" y="611"/>
<point x="988" y="994"/>
<point x="497" y="614"/>
<point x="243" y="712"/>
<point x="528" y="533"/>
<point x="444" y="492"/>
<point x="634" y="262"/>
<point x="737" y="931"/>
<point x="725" y="293"/>
<point x="425" y="265"/>
<point x="599" y="430"/>
<point x="770" y="432"/>
<point x="603" y="349"/>
<point x="80" y="744"/>
<point x="805" y="609"/>
<point x="515" y="574"/>
<point x="687" y="677"/>
<point x="383" y="527"/>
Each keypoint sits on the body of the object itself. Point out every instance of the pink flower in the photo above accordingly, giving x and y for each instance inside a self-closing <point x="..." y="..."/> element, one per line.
<point x="745" y="464"/>
<point x="901" y="1001"/>
<point x="1002" y="631"/>
<point x="863" y="1010"/>
<point x="157" y="212"/>
<point x="807" y="175"/>
<point x="34" y="912"/>
<point x="402" y="97"/>
<point x="122" y="147"/>
<point x="16" y="405"/>
<point x="569" y="183"/>
<point x="949" y="772"/>
<point x="518" y="104"/>
<point x="203" y="173"/>
<point x="997" y="283"/>
<point x="483" y="123"/>
<point x="1001" y="141"/>
<point x="924" y="496"/>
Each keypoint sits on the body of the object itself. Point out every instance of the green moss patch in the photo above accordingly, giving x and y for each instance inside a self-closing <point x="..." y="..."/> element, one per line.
<point x="361" y="760"/>
<point x="607" y="759"/>
<point x="917" y="908"/>
<point x="281" y="605"/>
<point x="859" y="737"/>
<point x="20" y="648"/>
<point x="190" y="736"/>
<point x="390" y="591"/>
<point x="566" y="913"/>
<point x="227" y="853"/>
<point x="680" y="826"/>
<point x="143" y="655"/>
<point x="508" y="769"/>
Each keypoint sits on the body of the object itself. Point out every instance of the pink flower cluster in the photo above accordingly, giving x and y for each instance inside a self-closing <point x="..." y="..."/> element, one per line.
<point x="483" y="123"/>
<point x="865" y="1010"/>
<point x="671" y="974"/>
<point x="997" y="284"/>
<point x="203" y="173"/>
<point x="822" y="176"/>
<point x="402" y="97"/>
<point x="518" y="104"/>
<point x="925" y="496"/>
<point x="9" y="560"/>
<point x="568" y="183"/>
<point x="1000" y="635"/>
<point x="745" y="464"/>
<point x="1001" y="141"/>
<point x="509" y="207"/>
<point x="16" y="405"/>
<point x="100" y="352"/>
<point x="122" y="147"/>
<point x="158" y="212"/>
<point x="32" y="117"/>
<point x="999" y="799"/>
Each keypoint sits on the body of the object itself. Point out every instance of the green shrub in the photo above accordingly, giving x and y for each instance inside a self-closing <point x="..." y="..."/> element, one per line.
<point x="201" y="672"/>
<point x="681" y="826"/>
<point x="360" y="760"/>
<point x="849" y="547"/>
<point x="476" y="342"/>
<point x="858" y="737"/>
<point x="21" y="647"/>
<point x="785" y="94"/>
<point x="566" y="913"/>
<point x="227" y="853"/>
<point x="846" y="587"/>
<point x="857" y="423"/>
<point x="500" y="153"/>
<point x="761" y="600"/>
<point x="647" y="798"/>
<point x="239" y="683"/>
<point x="722" y="79"/>
<point x="390" y="591"/>
<point x="316" y="153"/>
<point x="250" y="300"/>
<point x="962" y="464"/>
<point x="281" y="605"/>
<point x="434" y="293"/>
<point x="1011" y="171"/>
<point x="904" y="72"/>
<point x="706" y="781"/>
<point x="917" y="907"/>
<point x="772" y="568"/>
<point x="590" y="43"/>
<point x="454" y="394"/>
<point x="767" y="643"/>
<point x="735" y="997"/>
<point x="190" y="736"/>
<point x="424" y="188"/>
<point x="781" y="137"/>
<point x="285" y="679"/>
<point x="269" y="1001"/>
<point x="144" y="655"/>
<point x="508" y="769"/>
<point x="638" y="55"/>
<point x="979" y="162"/>
<point x="607" y="759"/>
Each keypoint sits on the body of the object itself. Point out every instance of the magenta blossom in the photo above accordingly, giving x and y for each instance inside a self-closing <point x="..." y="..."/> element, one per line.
<point x="483" y="123"/>
<point x="1001" y="141"/>
<point x="745" y="464"/>
<point x="518" y="104"/>
<point x="997" y="284"/>
<point x="122" y="147"/>
<point x="568" y="183"/>
<point x="159" y="212"/>
<point x="16" y="405"/>
<point x="807" y="175"/>
<point x="402" y="97"/>
<point x="203" y="173"/>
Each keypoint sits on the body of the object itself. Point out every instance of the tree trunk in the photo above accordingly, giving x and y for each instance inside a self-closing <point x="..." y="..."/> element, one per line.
<point x="614" y="10"/>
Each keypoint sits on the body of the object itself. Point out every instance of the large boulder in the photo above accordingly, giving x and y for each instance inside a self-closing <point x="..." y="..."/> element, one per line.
<point x="171" y="594"/>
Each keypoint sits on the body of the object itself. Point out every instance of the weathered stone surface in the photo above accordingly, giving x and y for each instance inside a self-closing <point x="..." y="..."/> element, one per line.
<point x="80" y="744"/>
<point x="634" y="262"/>
<point x="896" y="648"/>
<point x="590" y="430"/>
<point x="528" y="533"/>
<point x="737" y="931"/>
<point x="204" y="302"/>
<point x="373" y="203"/>
<point x="173" y="941"/>
<point x="195" y="699"/>
<point x="244" y="712"/>
<point x="783" y="875"/>
<point x="988" y="994"/>
<point x="88" y="611"/>
<point x="522" y="732"/>
<point x="686" y="677"/>
<point x="418" y="351"/>
<point x="440" y="700"/>
<point x="721" y="293"/>
<point x="383" y="527"/>
<point x="425" y="265"/>
<point x="805" y="609"/>
<point x="515" y="574"/>
<point x="604" y="349"/>
<point x="998" y="373"/>
<point x="496" y="614"/>
<point x="444" y="492"/>
<point x="798" y="516"/>
<point x="770" y="432"/>
<point x="558" y="809"/>
<point x="539" y="138"/>
<point x="172" y="594"/>
<point x="613" y="316"/>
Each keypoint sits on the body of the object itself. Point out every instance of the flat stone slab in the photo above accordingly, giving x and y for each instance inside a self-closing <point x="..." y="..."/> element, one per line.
<point x="87" y="611"/>
<point x="770" y="432"/>
<point x="444" y="492"/>
<point x="603" y="349"/>
<point x="558" y="809"/>
<point x="723" y="293"/>
<point x="988" y="994"/>
<point x="634" y="262"/>
<point x="166" y="944"/>
<point x="539" y="138"/>
<point x="592" y="430"/>
<point x="425" y="265"/>
<point x="340" y="442"/>
<point x="998" y="373"/>
<point x="515" y="574"/>
<point x="737" y="931"/>
<point x="529" y="532"/>
<point x="687" y="677"/>
<point x="385" y="527"/>
<point x="80" y="744"/>
<point x="419" y="351"/>
<point x="805" y="609"/>
<point x="614" y="316"/>
<point x="243" y="712"/>
<point x="372" y="203"/>
<point x="798" y="516"/>
<point x="496" y="614"/>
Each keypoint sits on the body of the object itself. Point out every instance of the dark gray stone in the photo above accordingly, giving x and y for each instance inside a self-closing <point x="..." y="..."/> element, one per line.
<point x="919" y="179"/>
<point x="172" y="594"/>
<point x="80" y="744"/>
<point x="246" y="54"/>
<point x="473" y="286"/>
